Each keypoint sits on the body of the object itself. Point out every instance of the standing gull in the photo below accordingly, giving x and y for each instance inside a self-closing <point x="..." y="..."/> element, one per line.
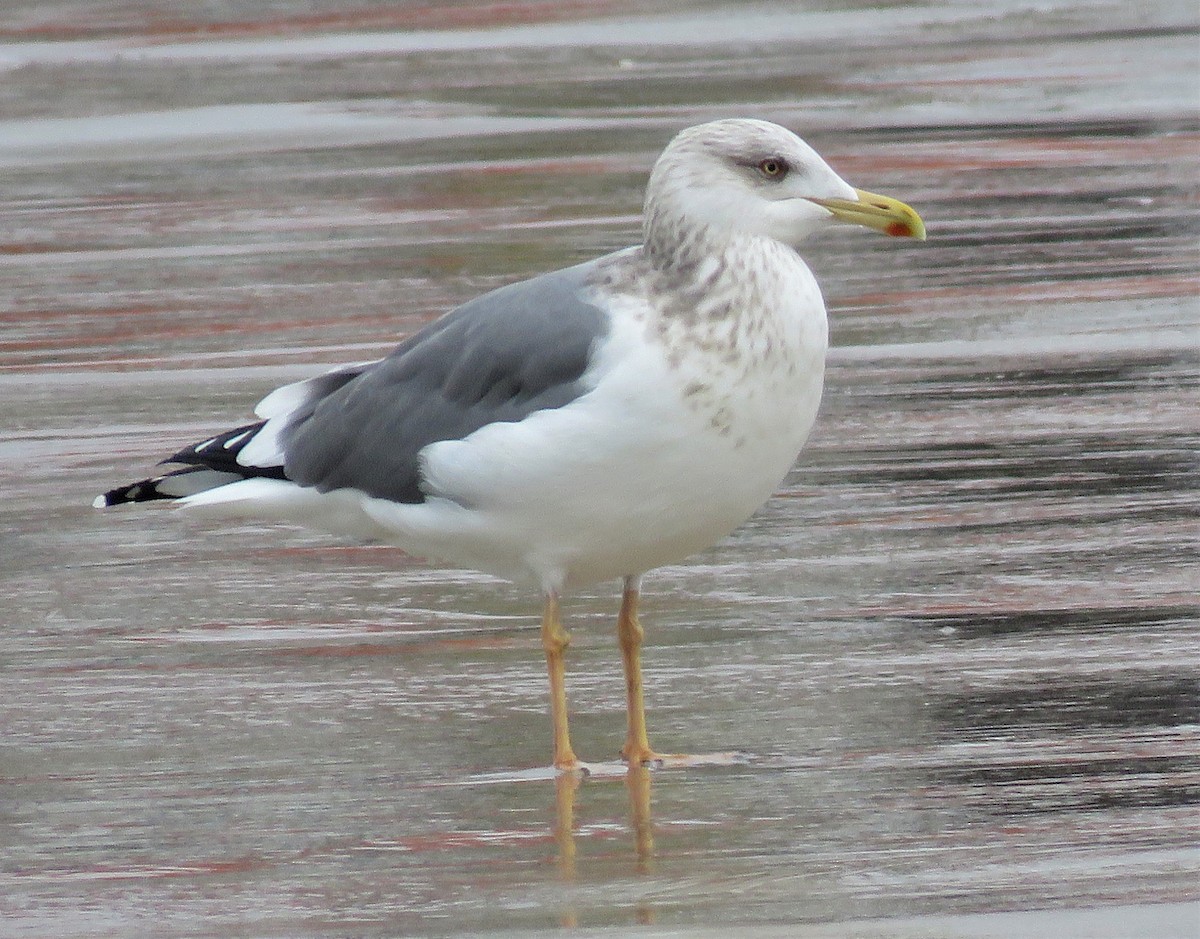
<point x="588" y="424"/>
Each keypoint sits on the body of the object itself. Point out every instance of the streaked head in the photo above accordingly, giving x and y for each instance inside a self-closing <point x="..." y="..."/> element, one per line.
<point x="757" y="178"/>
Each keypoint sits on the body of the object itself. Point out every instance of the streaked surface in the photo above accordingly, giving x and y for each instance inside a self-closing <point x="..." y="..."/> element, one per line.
<point x="959" y="649"/>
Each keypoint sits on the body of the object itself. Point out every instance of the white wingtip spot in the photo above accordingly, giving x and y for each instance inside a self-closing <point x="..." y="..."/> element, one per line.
<point x="234" y="441"/>
<point x="100" y="502"/>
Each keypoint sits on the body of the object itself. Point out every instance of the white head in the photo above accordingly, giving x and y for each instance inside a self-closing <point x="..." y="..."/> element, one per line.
<point x="757" y="178"/>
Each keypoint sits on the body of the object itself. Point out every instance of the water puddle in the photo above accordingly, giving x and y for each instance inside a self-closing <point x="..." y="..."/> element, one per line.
<point x="960" y="645"/>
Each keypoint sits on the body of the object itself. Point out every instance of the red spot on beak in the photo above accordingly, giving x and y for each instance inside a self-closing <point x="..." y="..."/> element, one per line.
<point x="898" y="230"/>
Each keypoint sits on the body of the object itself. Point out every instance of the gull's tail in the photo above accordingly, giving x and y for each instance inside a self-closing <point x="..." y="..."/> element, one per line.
<point x="207" y="465"/>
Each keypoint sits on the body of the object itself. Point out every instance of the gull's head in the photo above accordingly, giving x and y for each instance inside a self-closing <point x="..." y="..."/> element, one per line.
<point x="757" y="178"/>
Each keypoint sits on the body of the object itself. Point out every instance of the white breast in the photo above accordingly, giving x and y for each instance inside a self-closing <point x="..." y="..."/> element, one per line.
<point x="687" y="431"/>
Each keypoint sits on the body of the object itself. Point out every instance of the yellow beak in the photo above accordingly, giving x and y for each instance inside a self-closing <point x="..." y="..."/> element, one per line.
<point x="890" y="216"/>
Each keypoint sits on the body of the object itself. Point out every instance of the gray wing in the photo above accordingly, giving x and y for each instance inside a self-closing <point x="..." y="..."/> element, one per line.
<point x="500" y="357"/>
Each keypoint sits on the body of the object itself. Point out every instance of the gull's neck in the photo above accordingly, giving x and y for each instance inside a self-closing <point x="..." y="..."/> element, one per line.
<point x="674" y="244"/>
<point x="717" y="274"/>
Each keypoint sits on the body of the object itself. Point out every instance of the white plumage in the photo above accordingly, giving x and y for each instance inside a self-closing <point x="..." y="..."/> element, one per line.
<point x="589" y="424"/>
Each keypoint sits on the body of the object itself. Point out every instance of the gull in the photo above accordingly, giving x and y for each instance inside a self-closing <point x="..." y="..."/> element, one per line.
<point x="585" y="425"/>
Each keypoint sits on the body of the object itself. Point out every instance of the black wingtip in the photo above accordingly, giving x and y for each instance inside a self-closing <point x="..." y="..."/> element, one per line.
<point x="144" y="491"/>
<point x="206" y="465"/>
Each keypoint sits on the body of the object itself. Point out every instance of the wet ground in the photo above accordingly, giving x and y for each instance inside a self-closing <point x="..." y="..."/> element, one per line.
<point x="959" y="650"/>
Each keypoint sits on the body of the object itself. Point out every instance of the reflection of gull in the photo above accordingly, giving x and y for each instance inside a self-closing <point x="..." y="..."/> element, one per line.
<point x="637" y="785"/>
<point x="588" y="424"/>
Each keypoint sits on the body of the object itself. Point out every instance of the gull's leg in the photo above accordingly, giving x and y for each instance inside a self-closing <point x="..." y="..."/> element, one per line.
<point x="637" y="750"/>
<point x="555" y="641"/>
<point x="629" y="633"/>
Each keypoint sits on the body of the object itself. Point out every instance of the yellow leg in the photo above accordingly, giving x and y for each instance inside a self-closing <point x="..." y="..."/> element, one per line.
<point x="555" y="641"/>
<point x="629" y="632"/>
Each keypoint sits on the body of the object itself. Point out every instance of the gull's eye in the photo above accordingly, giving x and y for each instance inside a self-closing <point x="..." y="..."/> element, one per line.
<point x="773" y="167"/>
